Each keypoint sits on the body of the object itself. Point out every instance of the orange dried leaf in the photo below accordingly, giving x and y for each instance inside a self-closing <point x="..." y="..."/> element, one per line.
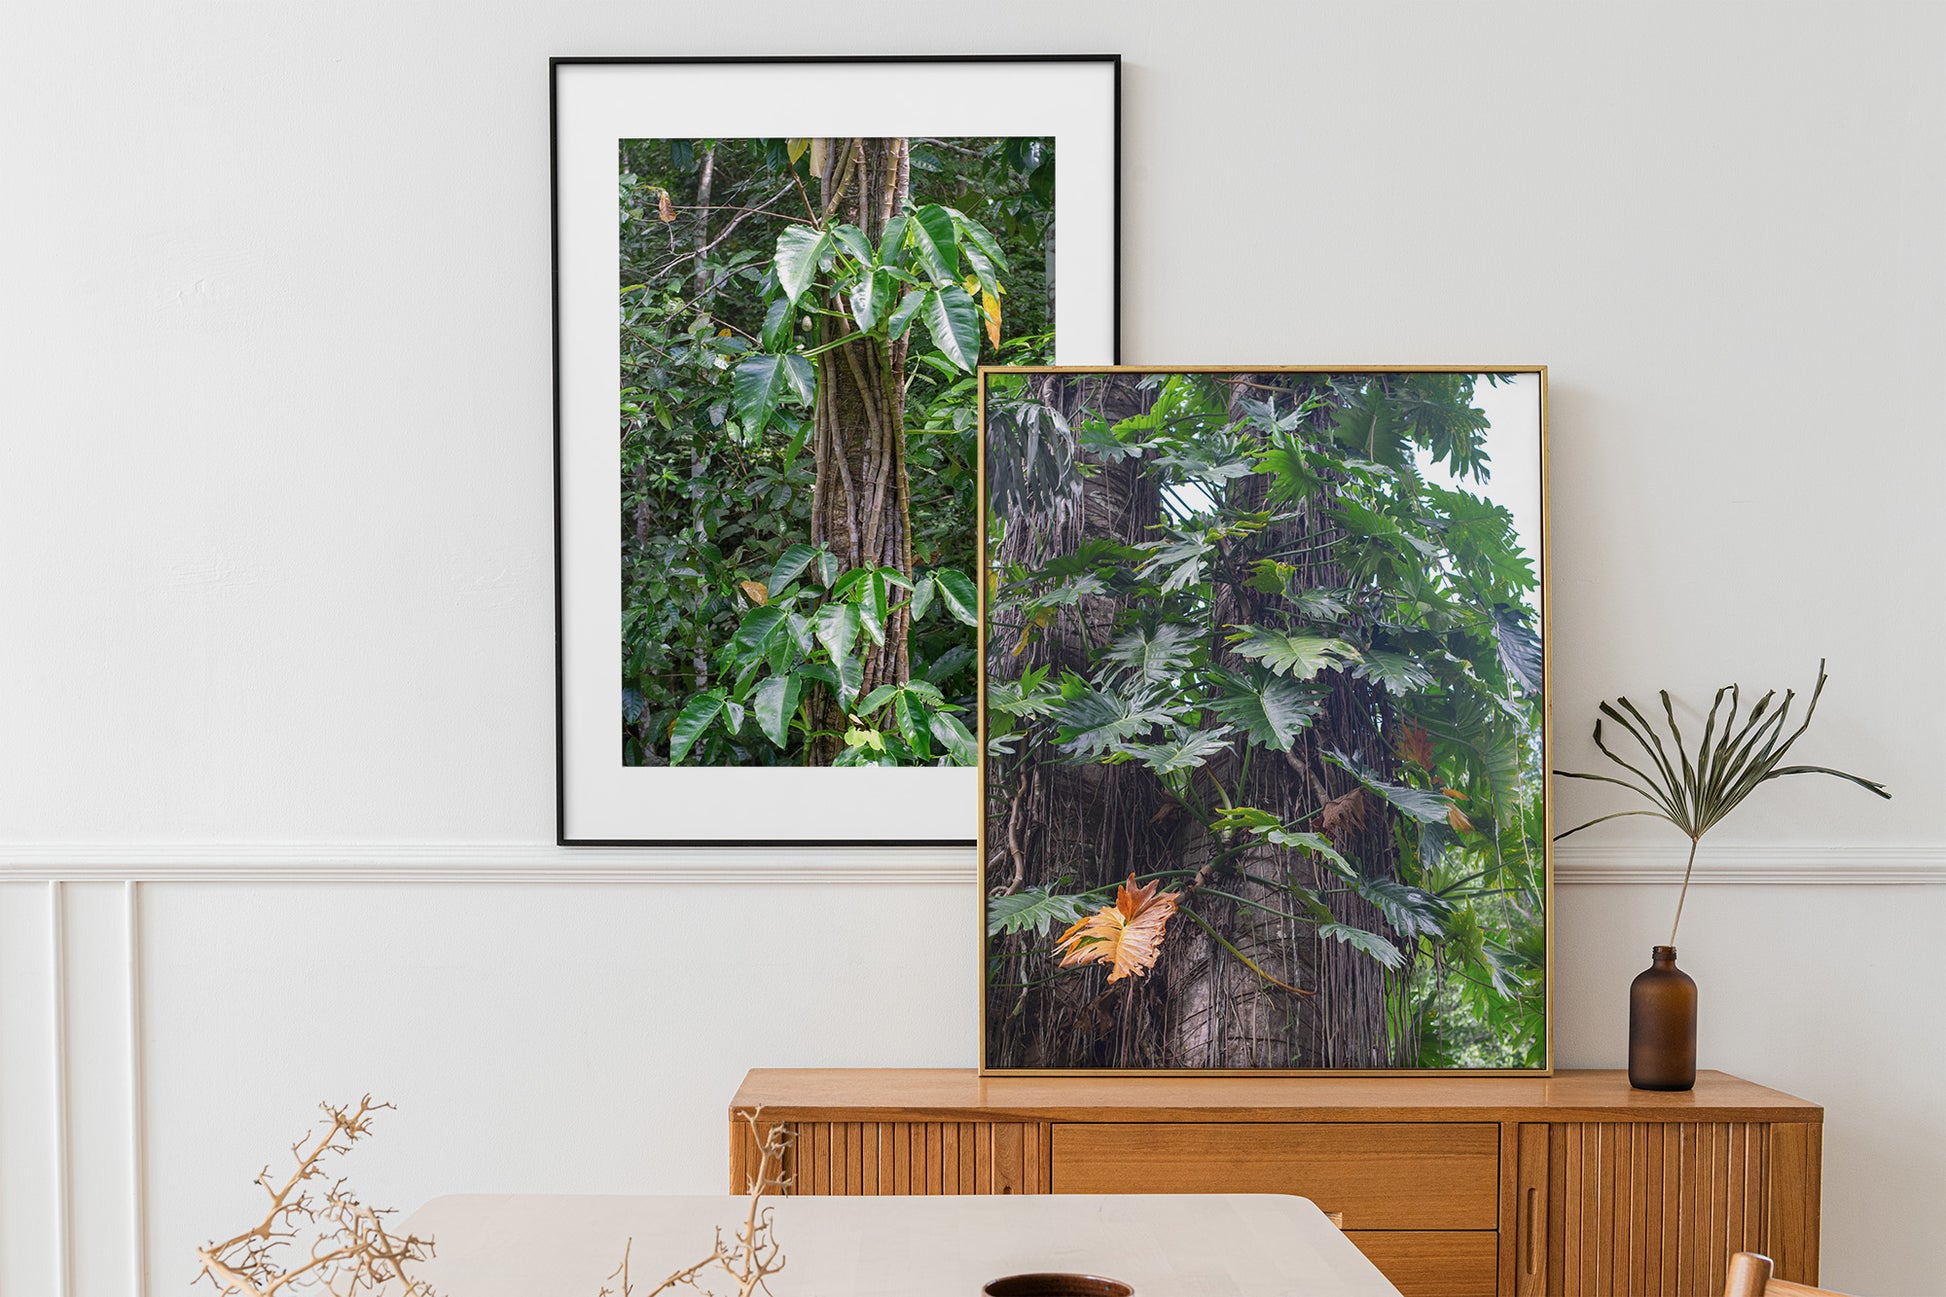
<point x="664" y="208"/>
<point x="1415" y="745"/>
<point x="1127" y="935"/>
<point x="1344" y="812"/>
<point x="757" y="592"/>
<point x="1459" y="822"/>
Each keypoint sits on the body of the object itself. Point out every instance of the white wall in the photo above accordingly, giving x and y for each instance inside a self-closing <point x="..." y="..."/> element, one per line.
<point x="274" y="517"/>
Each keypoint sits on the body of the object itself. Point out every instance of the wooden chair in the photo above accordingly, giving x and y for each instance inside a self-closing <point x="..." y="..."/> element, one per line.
<point x="1749" y="1276"/>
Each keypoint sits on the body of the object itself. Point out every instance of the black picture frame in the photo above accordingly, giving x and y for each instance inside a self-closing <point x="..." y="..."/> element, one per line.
<point x="566" y="834"/>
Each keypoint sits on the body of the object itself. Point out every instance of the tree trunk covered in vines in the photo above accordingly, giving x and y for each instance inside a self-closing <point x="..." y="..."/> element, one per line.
<point x="861" y="506"/>
<point x="1069" y="825"/>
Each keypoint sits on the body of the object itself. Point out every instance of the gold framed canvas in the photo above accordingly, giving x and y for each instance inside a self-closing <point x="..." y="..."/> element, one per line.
<point x="1264" y="720"/>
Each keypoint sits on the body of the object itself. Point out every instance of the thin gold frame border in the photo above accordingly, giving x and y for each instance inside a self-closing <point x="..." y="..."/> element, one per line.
<point x="1547" y="723"/>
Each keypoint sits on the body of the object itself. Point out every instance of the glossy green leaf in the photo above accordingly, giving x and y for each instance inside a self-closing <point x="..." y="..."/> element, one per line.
<point x="922" y="592"/>
<point x="1271" y="709"/>
<point x="694" y="718"/>
<point x="934" y="236"/>
<point x="799" y="251"/>
<point x="762" y="382"/>
<point x="1299" y="656"/>
<point x="954" y="323"/>
<point x="955" y="738"/>
<point x="871" y="298"/>
<point x="913" y="728"/>
<point x="789" y="566"/>
<point x="907" y="311"/>
<point x="957" y="593"/>
<point x="780" y="320"/>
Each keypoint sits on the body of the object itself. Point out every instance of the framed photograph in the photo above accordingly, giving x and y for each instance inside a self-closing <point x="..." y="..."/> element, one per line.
<point x="1264" y="720"/>
<point x="774" y="282"/>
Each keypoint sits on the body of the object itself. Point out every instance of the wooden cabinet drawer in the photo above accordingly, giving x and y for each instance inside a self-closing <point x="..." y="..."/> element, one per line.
<point x="1432" y="1263"/>
<point x="1381" y="1176"/>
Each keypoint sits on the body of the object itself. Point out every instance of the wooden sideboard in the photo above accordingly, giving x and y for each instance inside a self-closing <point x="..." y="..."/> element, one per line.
<point x="1571" y="1186"/>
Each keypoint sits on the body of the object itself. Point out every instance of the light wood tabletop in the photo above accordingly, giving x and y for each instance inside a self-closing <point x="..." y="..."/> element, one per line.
<point x="1164" y="1245"/>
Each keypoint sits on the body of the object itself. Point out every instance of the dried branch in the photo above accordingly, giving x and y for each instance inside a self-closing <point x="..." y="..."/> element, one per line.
<point x="351" y="1251"/>
<point x="749" y="1258"/>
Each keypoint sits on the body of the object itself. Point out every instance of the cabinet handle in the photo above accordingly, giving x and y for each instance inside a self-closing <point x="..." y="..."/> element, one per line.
<point x="1533" y="1201"/>
<point x="1337" y="1218"/>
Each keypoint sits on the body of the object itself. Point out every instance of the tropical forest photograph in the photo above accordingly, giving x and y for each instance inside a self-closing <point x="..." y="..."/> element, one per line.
<point x="801" y="325"/>
<point x="1264" y="726"/>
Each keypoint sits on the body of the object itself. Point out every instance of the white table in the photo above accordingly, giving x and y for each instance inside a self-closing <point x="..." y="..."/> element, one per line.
<point x="1165" y="1245"/>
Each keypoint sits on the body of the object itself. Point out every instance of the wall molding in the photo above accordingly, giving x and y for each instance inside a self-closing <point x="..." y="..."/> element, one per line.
<point x="1729" y="864"/>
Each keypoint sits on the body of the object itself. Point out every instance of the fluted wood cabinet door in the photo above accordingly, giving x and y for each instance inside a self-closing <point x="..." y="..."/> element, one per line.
<point x="903" y="1157"/>
<point x="1654" y="1209"/>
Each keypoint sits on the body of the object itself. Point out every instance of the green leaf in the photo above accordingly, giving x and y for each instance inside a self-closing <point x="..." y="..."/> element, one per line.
<point x="1299" y="656"/>
<point x="827" y="568"/>
<point x="922" y="598"/>
<point x="1095" y="721"/>
<point x="1270" y="708"/>
<point x="980" y="246"/>
<point x="1036" y="910"/>
<point x="1520" y="648"/>
<point x="938" y="243"/>
<point x="1419" y="803"/>
<point x="837" y="629"/>
<point x="779" y="323"/>
<point x="957" y="593"/>
<point x="762" y="382"/>
<point x="790" y="564"/>
<point x="694" y="718"/>
<point x="1370" y="943"/>
<point x="876" y="699"/>
<point x="1185" y="750"/>
<point x="1412" y="911"/>
<point x="1154" y="656"/>
<point x="871" y="298"/>
<point x="853" y="241"/>
<point x="799" y="250"/>
<point x="902" y="318"/>
<point x="954" y="323"/>
<point x="1399" y="673"/>
<point x="911" y="716"/>
<point x="752" y="637"/>
<point x="955" y="738"/>
<point x="871" y="612"/>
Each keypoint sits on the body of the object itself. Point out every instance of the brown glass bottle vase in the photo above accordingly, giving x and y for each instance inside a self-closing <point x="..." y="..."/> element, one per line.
<point x="1662" y="1025"/>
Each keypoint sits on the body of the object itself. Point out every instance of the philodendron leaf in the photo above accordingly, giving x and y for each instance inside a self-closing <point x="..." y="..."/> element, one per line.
<point x="762" y="382"/>
<point x="691" y="721"/>
<point x="934" y="235"/>
<point x="1299" y="656"/>
<point x="1370" y="943"/>
<point x="954" y="323"/>
<point x="955" y="738"/>
<point x="871" y="298"/>
<point x="799" y="250"/>
<point x="957" y="593"/>
<point x="1036" y="910"/>
<point x="1268" y="707"/>
<point x="779" y="320"/>
<point x="908" y="310"/>
<point x="790" y="564"/>
<point x="775" y="702"/>
<point x="1520" y="648"/>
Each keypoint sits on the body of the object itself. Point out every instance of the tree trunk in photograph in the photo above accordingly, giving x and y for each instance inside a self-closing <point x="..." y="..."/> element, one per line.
<point x="861" y="502"/>
<point x="1094" y="824"/>
<point x="703" y="296"/>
